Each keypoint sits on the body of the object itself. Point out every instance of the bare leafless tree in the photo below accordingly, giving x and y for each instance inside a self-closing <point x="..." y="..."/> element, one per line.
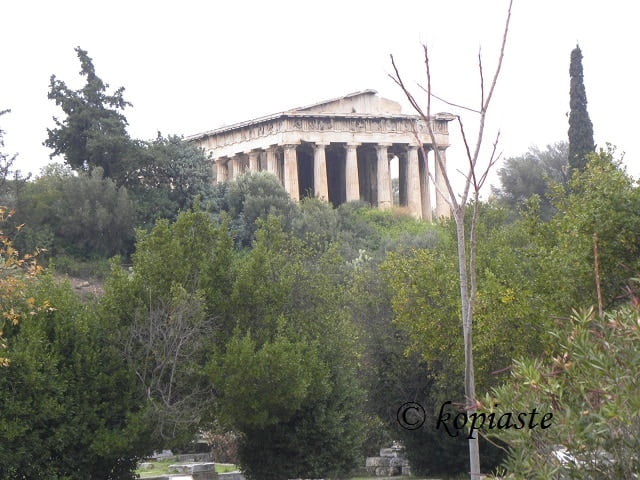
<point x="475" y="178"/>
<point x="166" y="347"/>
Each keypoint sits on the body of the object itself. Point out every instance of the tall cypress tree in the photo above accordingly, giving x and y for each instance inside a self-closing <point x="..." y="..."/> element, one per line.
<point x="580" y="126"/>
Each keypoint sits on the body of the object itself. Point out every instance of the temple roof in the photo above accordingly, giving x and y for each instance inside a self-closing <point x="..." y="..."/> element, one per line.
<point x="365" y="103"/>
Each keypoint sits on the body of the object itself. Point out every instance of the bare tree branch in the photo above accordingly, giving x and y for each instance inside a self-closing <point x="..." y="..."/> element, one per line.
<point x="481" y="80"/>
<point x="429" y="174"/>
<point x="500" y="59"/>
<point x="398" y="80"/>
<point x="493" y="159"/>
<point x="447" y="102"/>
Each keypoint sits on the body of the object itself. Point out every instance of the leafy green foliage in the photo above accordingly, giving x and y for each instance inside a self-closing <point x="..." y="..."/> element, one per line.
<point x="363" y="230"/>
<point x="580" y="126"/>
<point x="6" y="165"/>
<point x="16" y="273"/>
<point x="82" y="215"/>
<point x="70" y="407"/>
<point x="267" y="385"/>
<point x="250" y="197"/>
<point x="288" y="387"/>
<point x="172" y="173"/>
<point x="393" y="376"/>
<point x="602" y="200"/>
<point x="93" y="134"/>
<point x="168" y="311"/>
<point x="316" y="223"/>
<point x="508" y="315"/>
<point x="588" y="380"/>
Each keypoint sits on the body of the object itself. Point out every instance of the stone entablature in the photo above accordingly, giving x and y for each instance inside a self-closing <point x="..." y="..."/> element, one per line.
<point x="338" y="150"/>
<point x="293" y="128"/>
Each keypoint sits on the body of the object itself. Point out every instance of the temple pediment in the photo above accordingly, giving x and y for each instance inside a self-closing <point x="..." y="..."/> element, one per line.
<point x="366" y="102"/>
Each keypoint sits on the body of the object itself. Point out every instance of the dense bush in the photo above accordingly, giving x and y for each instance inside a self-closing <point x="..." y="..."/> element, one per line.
<point x="83" y="215"/>
<point x="70" y="406"/>
<point x="589" y="382"/>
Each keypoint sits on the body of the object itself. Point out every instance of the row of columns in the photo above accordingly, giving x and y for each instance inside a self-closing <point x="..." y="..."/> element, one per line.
<point x="417" y="182"/>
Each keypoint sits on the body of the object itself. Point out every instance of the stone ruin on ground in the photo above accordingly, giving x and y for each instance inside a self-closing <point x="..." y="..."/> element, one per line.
<point x="391" y="462"/>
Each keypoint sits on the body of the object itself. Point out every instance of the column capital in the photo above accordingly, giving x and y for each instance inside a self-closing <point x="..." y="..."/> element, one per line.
<point x="382" y="148"/>
<point x="351" y="147"/>
<point x="321" y="144"/>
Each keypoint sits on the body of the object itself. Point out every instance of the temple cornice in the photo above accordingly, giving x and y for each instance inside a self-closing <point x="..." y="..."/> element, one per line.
<point x="298" y="126"/>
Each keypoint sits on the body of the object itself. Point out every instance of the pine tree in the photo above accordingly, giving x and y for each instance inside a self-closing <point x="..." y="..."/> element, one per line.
<point x="580" y="126"/>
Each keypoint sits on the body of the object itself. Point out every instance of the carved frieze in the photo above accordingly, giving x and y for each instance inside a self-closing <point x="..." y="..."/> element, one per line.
<point x="359" y="125"/>
<point x="318" y="124"/>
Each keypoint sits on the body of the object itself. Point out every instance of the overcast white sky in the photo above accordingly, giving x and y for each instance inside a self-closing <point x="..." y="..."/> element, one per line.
<point x="192" y="66"/>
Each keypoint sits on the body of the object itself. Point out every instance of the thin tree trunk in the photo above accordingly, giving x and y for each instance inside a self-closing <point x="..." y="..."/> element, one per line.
<point x="467" y="272"/>
<point x="467" y="332"/>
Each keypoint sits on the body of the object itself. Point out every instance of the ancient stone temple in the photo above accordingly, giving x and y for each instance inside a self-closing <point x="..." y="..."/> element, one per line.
<point x="338" y="150"/>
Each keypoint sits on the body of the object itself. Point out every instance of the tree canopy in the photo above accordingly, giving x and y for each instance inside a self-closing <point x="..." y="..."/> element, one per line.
<point x="533" y="173"/>
<point x="93" y="134"/>
<point x="85" y="215"/>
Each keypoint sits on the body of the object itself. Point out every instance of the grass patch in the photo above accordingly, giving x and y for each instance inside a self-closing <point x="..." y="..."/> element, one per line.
<point x="225" y="467"/>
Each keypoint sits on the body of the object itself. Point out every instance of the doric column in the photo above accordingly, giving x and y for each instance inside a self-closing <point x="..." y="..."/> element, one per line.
<point x="272" y="161"/>
<point x="352" y="181"/>
<point x="234" y="169"/>
<point x="414" y="201"/>
<point x="254" y="165"/>
<point x="442" y="207"/>
<point x="425" y="182"/>
<point x="291" y="172"/>
<point x="403" y="181"/>
<point x="384" y="179"/>
<point x="320" y="187"/>
<point x="222" y="170"/>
